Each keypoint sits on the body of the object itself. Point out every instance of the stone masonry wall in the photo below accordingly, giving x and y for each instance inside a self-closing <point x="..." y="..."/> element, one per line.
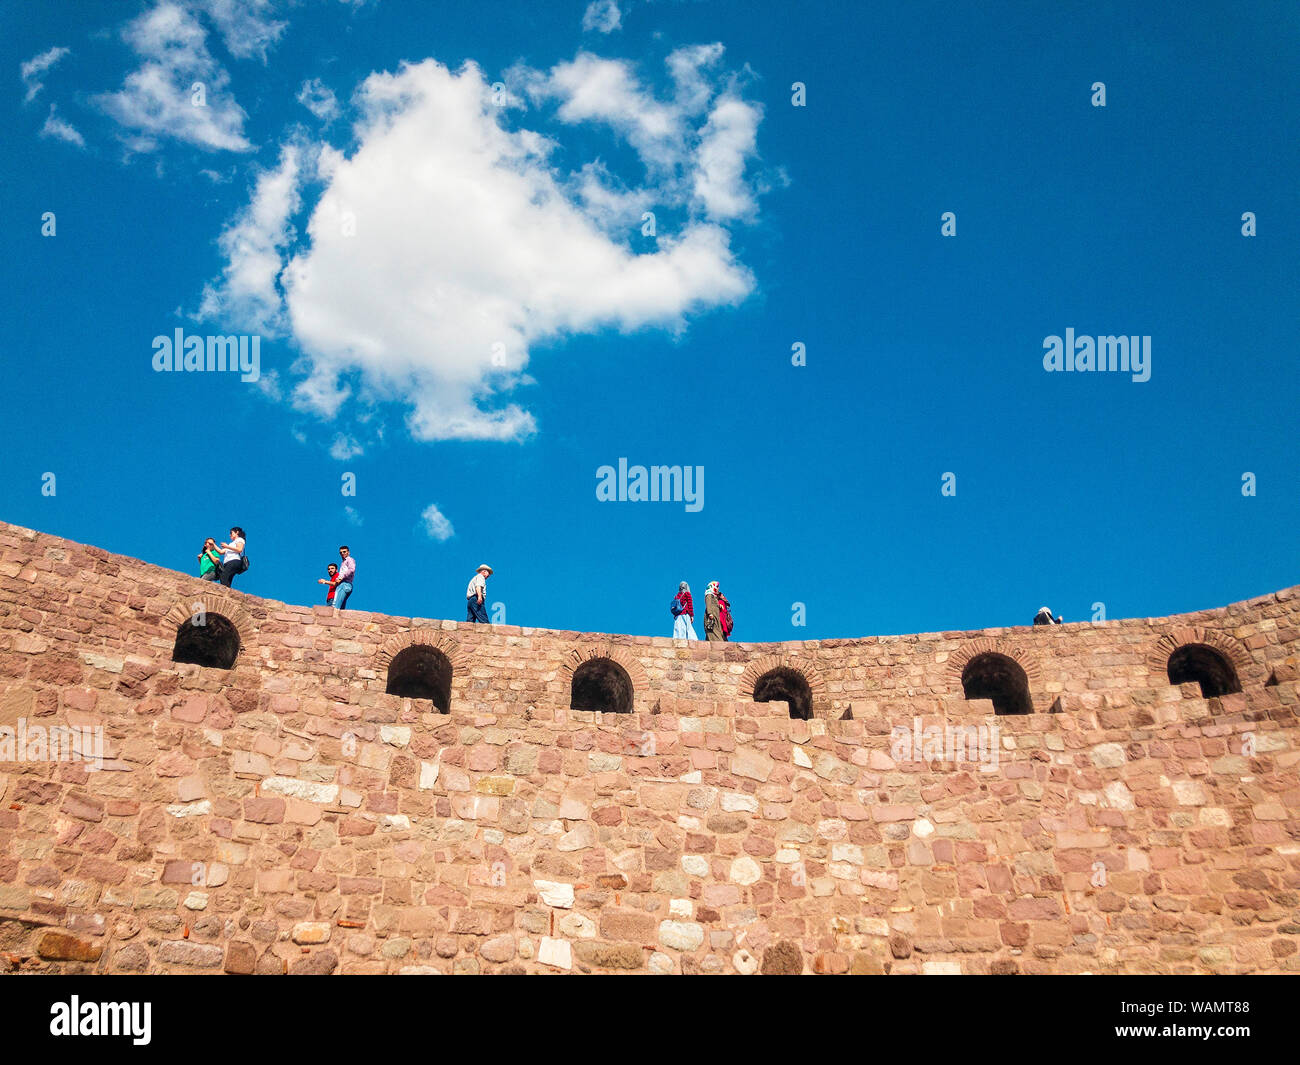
<point x="287" y="815"/>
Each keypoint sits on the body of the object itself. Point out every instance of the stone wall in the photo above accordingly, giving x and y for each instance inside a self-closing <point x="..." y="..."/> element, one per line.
<point x="288" y="815"/>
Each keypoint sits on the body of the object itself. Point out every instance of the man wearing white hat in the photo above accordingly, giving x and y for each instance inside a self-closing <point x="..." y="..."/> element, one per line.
<point x="476" y="594"/>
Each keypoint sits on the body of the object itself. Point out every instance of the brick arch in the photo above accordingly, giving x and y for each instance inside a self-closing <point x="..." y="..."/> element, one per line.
<point x="961" y="658"/>
<point x="422" y="675"/>
<point x="439" y="641"/>
<point x="1230" y="648"/>
<point x="762" y="665"/>
<point x="759" y="667"/>
<point x="1009" y="695"/>
<point x="585" y="653"/>
<point x="213" y="602"/>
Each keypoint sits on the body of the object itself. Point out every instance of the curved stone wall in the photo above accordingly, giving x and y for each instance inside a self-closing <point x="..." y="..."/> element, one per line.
<point x="289" y="815"/>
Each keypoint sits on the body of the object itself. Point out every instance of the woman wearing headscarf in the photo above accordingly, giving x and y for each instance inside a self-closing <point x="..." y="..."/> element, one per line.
<point x="717" y="614"/>
<point x="684" y="611"/>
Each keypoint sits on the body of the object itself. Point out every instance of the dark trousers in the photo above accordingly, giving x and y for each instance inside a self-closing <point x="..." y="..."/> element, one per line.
<point x="229" y="569"/>
<point x="476" y="611"/>
<point x="213" y="574"/>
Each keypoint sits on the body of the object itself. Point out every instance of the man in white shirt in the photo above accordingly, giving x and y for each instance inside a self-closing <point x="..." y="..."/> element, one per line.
<point x="476" y="595"/>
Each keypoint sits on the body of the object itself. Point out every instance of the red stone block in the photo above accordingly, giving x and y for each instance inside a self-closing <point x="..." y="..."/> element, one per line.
<point x="193" y="710"/>
<point x="264" y="811"/>
<point x="182" y="872"/>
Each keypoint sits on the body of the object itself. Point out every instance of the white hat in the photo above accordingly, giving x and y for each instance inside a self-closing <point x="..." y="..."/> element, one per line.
<point x="484" y="566"/>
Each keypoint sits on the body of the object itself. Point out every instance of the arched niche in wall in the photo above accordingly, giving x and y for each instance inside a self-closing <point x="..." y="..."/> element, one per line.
<point x="421" y="664"/>
<point x="775" y="678"/>
<point x="986" y="668"/>
<point x="1204" y="665"/>
<point x="601" y="684"/>
<point x="602" y="676"/>
<point x="211" y="629"/>
<point x="1217" y="662"/>
<point x="211" y="641"/>
<point x="1000" y="678"/>
<point x="421" y="671"/>
<point x="783" y="684"/>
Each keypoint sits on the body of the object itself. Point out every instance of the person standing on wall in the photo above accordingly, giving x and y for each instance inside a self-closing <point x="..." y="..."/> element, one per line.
<point x="476" y="595"/>
<point x="233" y="556"/>
<point x="347" y="571"/>
<point x="332" y="580"/>
<point x="210" y="561"/>
<point x="724" y="616"/>
<point x="684" y="613"/>
<point x="717" y="615"/>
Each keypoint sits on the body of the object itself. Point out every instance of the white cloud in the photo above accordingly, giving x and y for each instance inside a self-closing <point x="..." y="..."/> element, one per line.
<point x="447" y="246"/>
<point x="34" y="70"/>
<point x="705" y="164"/>
<point x="606" y="201"/>
<point x="728" y="140"/>
<point x="607" y="91"/>
<point x="269" y="385"/>
<point x="157" y="99"/>
<point x="436" y="525"/>
<point x="688" y="66"/>
<point x="602" y="16"/>
<point x="319" y="99"/>
<point x="55" y="127"/>
<point x="247" y="27"/>
<point x="353" y="515"/>
<point x="252" y="244"/>
<point x="344" y="447"/>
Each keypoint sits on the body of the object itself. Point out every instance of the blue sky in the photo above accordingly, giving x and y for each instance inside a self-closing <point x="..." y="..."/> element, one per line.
<point x="497" y="325"/>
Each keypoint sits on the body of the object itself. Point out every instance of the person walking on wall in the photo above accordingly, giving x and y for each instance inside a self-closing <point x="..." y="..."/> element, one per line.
<point x="476" y="595"/>
<point x="684" y="613"/>
<point x="233" y="556"/>
<point x="347" y="572"/>
<point x="210" y="561"/>
<point x="717" y="614"/>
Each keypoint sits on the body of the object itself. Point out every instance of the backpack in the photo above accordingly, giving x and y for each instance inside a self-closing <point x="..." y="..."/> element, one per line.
<point x="675" y="606"/>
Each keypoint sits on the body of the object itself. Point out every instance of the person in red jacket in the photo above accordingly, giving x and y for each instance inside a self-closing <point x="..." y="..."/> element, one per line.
<point x="684" y="611"/>
<point x="717" y="614"/>
<point x="332" y="581"/>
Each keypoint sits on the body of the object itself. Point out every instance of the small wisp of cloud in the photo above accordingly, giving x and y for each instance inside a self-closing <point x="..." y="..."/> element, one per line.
<point x="603" y="16"/>
<point x="435" y="524"/>
<point x="34" y="70"/>
<point x="344" y="447"/>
